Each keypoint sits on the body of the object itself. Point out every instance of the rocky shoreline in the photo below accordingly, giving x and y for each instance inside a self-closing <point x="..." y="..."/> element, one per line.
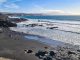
<point x="15" y="46"/>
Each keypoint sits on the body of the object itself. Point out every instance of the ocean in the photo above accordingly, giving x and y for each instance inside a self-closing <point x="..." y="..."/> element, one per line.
<point x="56" y="17"/>
<point x="68" y="30"/>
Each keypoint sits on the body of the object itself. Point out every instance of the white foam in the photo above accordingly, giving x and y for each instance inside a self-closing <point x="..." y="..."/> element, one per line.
<point x="66" y="32"/>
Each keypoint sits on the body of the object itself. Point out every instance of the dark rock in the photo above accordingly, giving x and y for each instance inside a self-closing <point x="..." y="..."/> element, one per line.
<point x="47" y="58"/>
<point x="40" y="25"/>
<point x="41" y="54"/>
<point x="7" y="24"/>
<point x="51" y="53"/>
<point x="51" y="27"/>
<point x="16" y="20"/>
<point x="70" y="52"/>
<point x="29" y="51"/>
<point x="78" y="50"/>
<point x="33" y="25"/>
<point x="46" y="47"/>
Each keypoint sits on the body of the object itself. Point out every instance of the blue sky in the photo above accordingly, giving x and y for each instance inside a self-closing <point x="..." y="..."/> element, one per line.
<point x="41" y="6"/>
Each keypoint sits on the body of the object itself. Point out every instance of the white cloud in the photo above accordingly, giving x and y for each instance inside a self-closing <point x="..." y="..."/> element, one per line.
<point x="13" y="1"/>
<point x="12" y="5"/>
<point x="39" y="9"/>
<point x="54" y="12"/>
<point x="2" y="1"/>
<point x="9" y="6"/>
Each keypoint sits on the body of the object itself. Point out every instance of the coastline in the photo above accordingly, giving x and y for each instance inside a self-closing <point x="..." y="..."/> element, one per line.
<point x="13" y="47"/>
<point x="51" y="30"/>
<point x="16" y="41"/>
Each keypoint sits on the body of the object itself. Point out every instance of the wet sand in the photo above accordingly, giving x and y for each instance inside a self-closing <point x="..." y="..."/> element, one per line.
<point x="13" y="44"/>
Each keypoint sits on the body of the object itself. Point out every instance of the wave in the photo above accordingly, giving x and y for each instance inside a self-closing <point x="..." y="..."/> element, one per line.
<point x="67" y="32"/>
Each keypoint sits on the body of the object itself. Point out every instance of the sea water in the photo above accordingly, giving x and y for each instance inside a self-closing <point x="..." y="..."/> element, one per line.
<point x="60" y="17"/>
<point x="68" y="30"/>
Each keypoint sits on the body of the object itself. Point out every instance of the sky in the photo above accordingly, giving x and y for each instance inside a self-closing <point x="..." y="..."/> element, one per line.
<point x="56" y="7"/>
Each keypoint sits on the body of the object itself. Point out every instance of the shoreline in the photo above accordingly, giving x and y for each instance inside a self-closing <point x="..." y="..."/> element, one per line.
<point x="14" y="46"/>
<point x="53" y="30"/>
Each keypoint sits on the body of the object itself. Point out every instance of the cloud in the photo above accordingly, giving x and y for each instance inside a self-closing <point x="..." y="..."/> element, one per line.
<point x="55" y="12"/>
<point x="43" y="10"/>
<point x="14" y="1"/>
<point x="12" y="5"/>
<point x="2" y="1"/>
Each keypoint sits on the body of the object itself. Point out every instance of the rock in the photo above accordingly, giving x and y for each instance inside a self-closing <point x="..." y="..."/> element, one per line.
<point x="41" y="54"/>
<point x="51" y="27"/>
<point x="73" y="57"/>
<point x="78" y="50"/>
<point x="40" y="25"/>
<point x="47" y="58"/>
<point x="33" y="25"/>
<point x="70" y="52"/>
<point x="51" y="53"/>
<point x="7" y="24"/>
<point x="29" y="51"/>
<point x="46" y="47"/>
<point x="16" y="20"/>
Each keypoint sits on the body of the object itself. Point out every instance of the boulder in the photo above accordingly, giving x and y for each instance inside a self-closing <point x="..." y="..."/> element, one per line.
<point x="7" y="24"/>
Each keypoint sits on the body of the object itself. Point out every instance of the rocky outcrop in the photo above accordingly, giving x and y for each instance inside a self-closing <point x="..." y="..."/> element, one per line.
<point x="7" y="24"/>
<point x="3" y="17"/>
<point x="4" y="21"/>
<point x="17" y="20"/>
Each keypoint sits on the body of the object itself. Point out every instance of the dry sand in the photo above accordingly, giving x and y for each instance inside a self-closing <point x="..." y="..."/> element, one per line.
<point x="1" y="58"/>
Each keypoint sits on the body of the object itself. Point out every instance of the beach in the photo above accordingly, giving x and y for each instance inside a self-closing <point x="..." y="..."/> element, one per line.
<point x="39" y="30"/>
<point x="13" y="47"/>
<point x="39" y="41"/>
